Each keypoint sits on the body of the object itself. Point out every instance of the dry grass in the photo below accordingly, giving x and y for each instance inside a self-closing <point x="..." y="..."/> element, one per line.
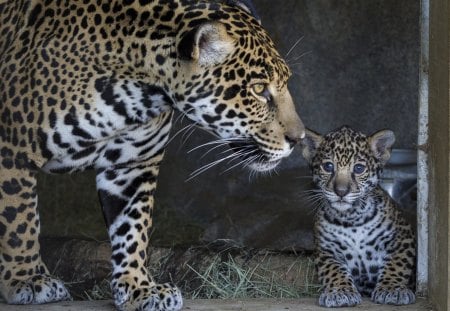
<point x="256" y="278"/>
<point x="233" y="273"/>
<point x="100" y="291"/>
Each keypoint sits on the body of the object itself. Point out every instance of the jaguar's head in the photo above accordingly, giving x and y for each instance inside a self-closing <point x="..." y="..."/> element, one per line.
<point x="346" y="164"/>
<point x="233" y="83"/>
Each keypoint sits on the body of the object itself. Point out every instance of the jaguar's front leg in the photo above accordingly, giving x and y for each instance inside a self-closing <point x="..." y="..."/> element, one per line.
<point x="126" y="195"/>
<point x="24" y="278"/>
<point x="338" y="288"/>
<point x="393" y="286"/>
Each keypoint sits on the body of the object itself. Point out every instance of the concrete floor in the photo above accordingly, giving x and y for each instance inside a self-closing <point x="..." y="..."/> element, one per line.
<point x="223" y="305"/>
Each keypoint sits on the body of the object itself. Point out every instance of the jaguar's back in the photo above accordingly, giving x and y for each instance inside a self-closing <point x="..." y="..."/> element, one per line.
<point x="13" y="15"/>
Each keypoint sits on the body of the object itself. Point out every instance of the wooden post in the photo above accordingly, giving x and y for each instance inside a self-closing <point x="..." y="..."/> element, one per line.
<point x="438" y="155"/>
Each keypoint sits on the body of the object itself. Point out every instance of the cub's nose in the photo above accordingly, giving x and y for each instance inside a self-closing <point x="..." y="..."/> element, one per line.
<point x="341" y="190"/>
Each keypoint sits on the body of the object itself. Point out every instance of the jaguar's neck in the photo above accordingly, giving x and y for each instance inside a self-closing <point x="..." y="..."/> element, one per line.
<point x="364" y="210"/>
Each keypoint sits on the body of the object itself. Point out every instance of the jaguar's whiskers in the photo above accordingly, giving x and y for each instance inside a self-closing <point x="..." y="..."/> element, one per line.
<point x="186" y="129"/>
<point x="314" y="198"/>
<point x="245" y="154"/>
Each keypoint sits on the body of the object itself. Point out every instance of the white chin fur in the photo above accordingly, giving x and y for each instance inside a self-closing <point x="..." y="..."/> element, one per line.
<point x="341" y="206"/>
<point x="264" y="166"/>
<point x="270" y="165"/>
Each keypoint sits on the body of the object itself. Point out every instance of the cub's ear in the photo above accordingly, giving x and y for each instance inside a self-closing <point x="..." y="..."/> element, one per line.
<point x="381" y="143"/>
<point x="208" y="44"/>
<point x="309" y="144"/>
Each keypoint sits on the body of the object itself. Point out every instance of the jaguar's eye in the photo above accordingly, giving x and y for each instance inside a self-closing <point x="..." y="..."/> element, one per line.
<point x="328" y="167"/>
<point x="259" y="89"/>
<point x="359" y="169"/>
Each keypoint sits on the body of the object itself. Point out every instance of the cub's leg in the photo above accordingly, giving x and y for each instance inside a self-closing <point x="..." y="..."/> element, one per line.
<point x="126" y="195"/>
<point x="394" y="280"/>
<point x="24" y="278"/>
<point x="338" y="287"/>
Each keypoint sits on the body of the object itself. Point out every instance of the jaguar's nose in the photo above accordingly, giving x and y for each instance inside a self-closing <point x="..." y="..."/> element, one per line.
<point x="296" y="134"/>
<point x="341" y="190"/>
<point x="292" y="140"/>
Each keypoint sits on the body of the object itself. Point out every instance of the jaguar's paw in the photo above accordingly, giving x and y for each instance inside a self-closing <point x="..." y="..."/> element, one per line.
<point x="393" y="295"/>
<point x="37" y="290"/>
<point x="339" y="297"/>
<point x="161" y="297"/>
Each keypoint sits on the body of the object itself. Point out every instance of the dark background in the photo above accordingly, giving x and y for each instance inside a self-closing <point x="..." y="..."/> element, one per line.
<point x="357" y="64"/>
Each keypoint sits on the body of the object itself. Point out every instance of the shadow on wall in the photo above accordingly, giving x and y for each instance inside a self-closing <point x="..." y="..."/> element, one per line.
<point x="357" y="64"/>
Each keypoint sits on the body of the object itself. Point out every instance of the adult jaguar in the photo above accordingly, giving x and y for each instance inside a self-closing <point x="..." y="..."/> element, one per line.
<point x="93" y="84"/>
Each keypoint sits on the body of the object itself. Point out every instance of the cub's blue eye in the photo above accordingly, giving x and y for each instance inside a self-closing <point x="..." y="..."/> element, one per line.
<point x="359" y="169"/>
<point x="328" y="167"/>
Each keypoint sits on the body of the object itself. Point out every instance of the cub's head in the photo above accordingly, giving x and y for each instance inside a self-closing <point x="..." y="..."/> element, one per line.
<point x="232" y="82"/>
<point x="346" y="164"/>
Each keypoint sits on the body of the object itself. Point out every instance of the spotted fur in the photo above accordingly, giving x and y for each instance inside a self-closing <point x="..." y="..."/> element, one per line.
<point x="363" y="245"/>
<point x="90" y="84"/>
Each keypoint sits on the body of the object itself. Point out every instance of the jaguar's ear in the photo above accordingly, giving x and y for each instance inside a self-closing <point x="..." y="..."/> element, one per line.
<point x="309" y="144"/>
<point x="248" y="6"/>
<point x="381" y="143"/>
<point x="207" y="44"/>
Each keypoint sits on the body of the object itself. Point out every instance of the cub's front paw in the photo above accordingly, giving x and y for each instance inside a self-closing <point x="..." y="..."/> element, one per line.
<point x="161" y="297"/>
<point x="339" y="297"/>
<point x="393" y="295"/>
<point x="36" y="290"/>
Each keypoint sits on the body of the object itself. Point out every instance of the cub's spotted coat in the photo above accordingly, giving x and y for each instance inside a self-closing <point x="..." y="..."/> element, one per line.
<point x="92" y="84"/>
<point x="363" y="244"/>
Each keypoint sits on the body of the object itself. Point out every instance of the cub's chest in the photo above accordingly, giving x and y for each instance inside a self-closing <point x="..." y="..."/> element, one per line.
<point x="363" y="244"/>
<point x="361" y="250"/>
<point x="359" y="245"/>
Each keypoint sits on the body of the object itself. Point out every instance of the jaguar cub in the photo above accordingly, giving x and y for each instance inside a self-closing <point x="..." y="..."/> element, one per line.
<point x="363" y="245"/>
